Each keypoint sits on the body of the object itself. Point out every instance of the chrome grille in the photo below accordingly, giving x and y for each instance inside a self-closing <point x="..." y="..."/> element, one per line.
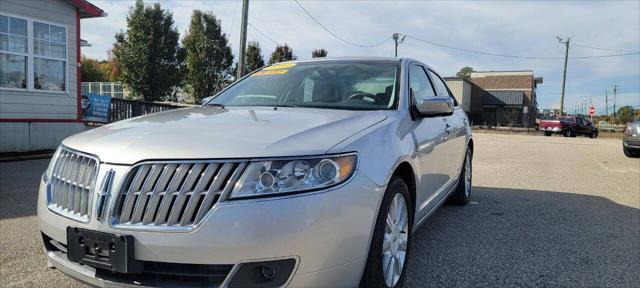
<point x="72" y="181"/>
<point x="173" y="194"/>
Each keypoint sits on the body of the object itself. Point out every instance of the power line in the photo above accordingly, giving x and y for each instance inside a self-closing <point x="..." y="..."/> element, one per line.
<point x="233" y="20"/>
<point x="265" y="35"/>
<point x="605" y="56"/>
<point x="604" y="49"/>
<point x="479" y="52"/>
<point x="335" y="35"/>
<point x="514" y="56"/>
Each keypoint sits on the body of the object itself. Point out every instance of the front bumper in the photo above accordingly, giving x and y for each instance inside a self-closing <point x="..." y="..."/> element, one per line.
<point x="327" y="232"/>
<point x="632" y="142"/>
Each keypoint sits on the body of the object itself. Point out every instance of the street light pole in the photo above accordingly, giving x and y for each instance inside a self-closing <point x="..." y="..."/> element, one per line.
<point x="564" y="72"/>
<point x="243" y="38"/>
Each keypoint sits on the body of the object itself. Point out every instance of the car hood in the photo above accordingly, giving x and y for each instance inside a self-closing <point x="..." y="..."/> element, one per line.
<point x="215" y="133"/>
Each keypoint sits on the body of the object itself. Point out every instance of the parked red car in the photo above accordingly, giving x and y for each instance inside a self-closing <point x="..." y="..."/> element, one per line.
<point x="569" y="126"/>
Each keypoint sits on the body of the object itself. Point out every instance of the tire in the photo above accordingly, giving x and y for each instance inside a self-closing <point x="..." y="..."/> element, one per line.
<point x="569" y="133"/>
<point x="631" y="153"/>
<point x="593" y="135"/>
<point x="547" y="133"/>
<point x="379" y="259"/>
<point x="462" y="194"/>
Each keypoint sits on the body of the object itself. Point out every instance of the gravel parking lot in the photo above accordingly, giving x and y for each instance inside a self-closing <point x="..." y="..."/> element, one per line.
<point x="546" y="211"/>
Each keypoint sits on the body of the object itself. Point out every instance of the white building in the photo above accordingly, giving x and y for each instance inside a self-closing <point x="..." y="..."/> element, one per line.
<point x="39" y="72"/>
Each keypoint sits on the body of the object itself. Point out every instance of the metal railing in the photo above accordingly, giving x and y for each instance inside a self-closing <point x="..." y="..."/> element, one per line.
<point x="123" y="109"/>
<point x="111" y="89"/>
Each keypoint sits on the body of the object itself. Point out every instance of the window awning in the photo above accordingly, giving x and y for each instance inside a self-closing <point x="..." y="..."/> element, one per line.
<point x="502" y="98"/>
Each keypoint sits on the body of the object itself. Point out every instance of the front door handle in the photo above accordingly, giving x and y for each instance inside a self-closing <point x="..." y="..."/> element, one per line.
<point x="447" y="128"/>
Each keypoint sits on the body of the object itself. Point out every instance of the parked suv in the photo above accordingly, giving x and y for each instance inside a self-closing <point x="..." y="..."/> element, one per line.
<point x="303" y="174"/>
<point x="631" y="140"/>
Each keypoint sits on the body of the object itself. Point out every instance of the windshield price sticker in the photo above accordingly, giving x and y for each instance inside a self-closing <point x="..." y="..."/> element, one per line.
<point x="280" y="66"/>
<point x="270" y="72"/>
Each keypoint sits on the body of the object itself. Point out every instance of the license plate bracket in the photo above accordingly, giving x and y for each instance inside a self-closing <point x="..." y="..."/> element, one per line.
<point x="102" y="250"/>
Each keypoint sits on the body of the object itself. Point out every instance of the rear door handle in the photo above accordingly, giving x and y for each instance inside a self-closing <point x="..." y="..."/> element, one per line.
<point x="447" y="128"/>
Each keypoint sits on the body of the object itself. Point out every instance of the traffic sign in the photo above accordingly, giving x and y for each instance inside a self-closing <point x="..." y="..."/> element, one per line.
<point x="592" y="110"/>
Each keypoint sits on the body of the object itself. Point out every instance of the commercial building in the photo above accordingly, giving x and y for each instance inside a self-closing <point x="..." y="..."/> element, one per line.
<point x="39" y="72"/>
<point x="498" y="98"/>
<point x="468" y="95"/>
<point x="509" y="98"/>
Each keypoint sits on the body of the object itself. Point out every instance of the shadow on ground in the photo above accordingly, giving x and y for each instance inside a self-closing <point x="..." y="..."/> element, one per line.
<point x="512" y="237"/>
<point x="19" y="183"/>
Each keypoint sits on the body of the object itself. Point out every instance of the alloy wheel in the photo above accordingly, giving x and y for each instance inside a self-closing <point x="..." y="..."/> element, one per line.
<point x="467" y="175"/>
<point x="394" y="247"/>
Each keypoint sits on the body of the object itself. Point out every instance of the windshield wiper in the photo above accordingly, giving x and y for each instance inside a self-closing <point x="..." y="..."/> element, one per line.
<point x="284" y="105"/>
<point x="215" y="105"/>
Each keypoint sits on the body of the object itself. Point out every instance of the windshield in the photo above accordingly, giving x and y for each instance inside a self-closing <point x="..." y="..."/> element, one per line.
<point x="351" y="85"/>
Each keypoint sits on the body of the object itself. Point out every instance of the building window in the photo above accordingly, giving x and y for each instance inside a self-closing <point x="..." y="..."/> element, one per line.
<point x="32" y="59"/>
<point x="50" y="53"/>
<point x="13" y="52"/>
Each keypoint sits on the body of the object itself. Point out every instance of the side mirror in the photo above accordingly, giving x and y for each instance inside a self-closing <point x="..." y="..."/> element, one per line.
<point x="435" y="106"/>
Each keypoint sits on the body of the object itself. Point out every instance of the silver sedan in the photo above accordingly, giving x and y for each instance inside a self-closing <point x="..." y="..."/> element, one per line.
<point x="302" y="174"/>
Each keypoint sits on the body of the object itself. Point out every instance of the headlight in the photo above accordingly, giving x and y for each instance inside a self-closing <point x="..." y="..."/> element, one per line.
<point x="629" y="130"/>
<point x="267" y="178"/>
<point x="47" y="173"/>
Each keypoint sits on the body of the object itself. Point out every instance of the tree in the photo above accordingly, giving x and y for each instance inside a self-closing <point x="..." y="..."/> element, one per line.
<point x="465" y="72"/>
<point x="90" y="70"/>
<point x="254" y="57"/>
<point x="109" y="68"/>
<point x="625" y="114"/>
<point x="208" y="56"/>
<point x="147" y="54"/>
<point x="318" y="53"/>
<point x="281" y="54"/>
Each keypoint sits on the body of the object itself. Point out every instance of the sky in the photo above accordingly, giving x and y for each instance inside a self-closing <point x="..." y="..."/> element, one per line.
<point x="522" y="28"/>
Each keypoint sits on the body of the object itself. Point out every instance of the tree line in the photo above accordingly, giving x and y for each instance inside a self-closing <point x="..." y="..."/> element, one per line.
<point x="154" y="64"/>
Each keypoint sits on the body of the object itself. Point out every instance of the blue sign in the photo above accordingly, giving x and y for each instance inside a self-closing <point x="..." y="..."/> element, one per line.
<point x="95" y="108"/>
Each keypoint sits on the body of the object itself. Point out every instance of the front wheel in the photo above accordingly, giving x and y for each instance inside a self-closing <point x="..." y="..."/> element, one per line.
<point x="462" y="194"/>
<point x="391" y="241"/>
<point x="569" y="133"/>
<point x="593" y="135"/>
<point x="547" y="133"/>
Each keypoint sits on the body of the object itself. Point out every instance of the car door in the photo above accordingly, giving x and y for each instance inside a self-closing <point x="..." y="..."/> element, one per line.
<point x="455" y="127"/>
<point x="430" y="136"/>
<point x="585" y="128"/>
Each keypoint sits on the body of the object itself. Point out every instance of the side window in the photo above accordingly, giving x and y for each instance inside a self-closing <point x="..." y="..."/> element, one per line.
<point x="420" y="84"/>
<point x="441" y="88"/>
<point x="583" y="122"/>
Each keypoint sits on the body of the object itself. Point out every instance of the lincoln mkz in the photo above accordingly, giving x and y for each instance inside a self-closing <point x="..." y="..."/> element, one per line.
<point x="302" y="174"/>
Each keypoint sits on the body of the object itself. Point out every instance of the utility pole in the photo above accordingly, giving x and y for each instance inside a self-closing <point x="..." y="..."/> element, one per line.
<point x="243" y="38"/>
<point x="615" y="92"/>
<point x="564" y="72"/>
<point x="397" y="39"/>
<point x="606" y="101"/>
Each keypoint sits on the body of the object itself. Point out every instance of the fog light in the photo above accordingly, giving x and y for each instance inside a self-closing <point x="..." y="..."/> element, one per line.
<point x="263" y="274"/>
<point x="268" y="273"/>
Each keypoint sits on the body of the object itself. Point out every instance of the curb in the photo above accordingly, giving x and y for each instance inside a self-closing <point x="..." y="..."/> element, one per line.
<point x="25" y="157"/>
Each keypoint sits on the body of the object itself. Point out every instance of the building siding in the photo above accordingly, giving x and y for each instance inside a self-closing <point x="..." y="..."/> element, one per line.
<point x="461" y="90"/>
<point x="37" y="104"/>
